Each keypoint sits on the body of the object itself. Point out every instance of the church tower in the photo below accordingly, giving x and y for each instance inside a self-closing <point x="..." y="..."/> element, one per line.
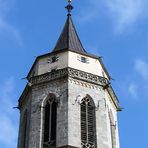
<point x="68" y="101"/>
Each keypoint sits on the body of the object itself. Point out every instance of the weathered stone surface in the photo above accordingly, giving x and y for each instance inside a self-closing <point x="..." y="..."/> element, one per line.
<point x="69" y="92"/>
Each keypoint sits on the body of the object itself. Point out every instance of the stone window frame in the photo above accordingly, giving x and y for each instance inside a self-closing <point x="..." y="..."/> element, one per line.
<point x="50" y="101"/>
<point x="83" y="59"/>
<point x="88" y="126"/>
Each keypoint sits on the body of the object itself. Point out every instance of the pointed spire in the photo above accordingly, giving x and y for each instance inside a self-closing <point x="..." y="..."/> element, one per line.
<point x="69" y="38"/>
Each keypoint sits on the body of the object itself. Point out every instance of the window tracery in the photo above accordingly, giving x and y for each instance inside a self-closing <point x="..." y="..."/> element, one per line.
<point x="88" y="131"/>
<point x="50" y="116"/>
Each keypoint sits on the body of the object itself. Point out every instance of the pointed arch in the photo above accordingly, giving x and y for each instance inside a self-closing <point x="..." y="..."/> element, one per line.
<point x="88" y="123"/>
<point x="112" y="129"/>
<point x="50" y="117"/>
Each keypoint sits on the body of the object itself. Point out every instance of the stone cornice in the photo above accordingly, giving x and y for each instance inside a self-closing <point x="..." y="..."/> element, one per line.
<point x="78" y="75"/>
<point x="48" y="76"/>
<point x="70" y="72"/>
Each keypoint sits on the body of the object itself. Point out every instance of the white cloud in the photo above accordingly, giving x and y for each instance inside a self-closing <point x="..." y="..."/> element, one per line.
<point x="124" y="13"/>
<point x="138" y="87"/>
<point x="8" y="116"/>
<point x="142" y="68"/>
<point x="133" y="90"/>
<point x="5" y="26"/>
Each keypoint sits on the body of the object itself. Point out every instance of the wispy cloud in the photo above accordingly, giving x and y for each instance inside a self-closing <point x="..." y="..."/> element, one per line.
<point x="133" y="90"/>
<point x="142" y="68"/>
<point x="8" y="117"/>
<point x="124" y="13"/>
<point x="5" y="26"/>
<point x="137" y="86"/>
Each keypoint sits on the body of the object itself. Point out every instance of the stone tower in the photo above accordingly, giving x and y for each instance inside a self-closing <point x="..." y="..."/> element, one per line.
<point x="68" y="101"/>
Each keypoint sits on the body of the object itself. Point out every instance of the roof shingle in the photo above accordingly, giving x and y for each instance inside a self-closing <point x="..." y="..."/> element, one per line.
<point x="69" y="38"/>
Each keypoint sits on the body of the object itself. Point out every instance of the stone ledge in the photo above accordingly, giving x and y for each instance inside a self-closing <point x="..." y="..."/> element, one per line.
<point x="70" y="72"/>
<point x="74" y="74"/>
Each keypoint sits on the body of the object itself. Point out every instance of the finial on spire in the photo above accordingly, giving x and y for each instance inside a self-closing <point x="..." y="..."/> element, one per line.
<point x="69" y="7"/>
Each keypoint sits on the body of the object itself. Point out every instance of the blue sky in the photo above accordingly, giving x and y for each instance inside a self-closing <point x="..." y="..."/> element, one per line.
<point x="114" y="29"/>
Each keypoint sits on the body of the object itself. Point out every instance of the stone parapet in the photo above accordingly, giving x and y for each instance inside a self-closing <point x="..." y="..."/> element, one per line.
<point x="70" y="72"/>
<point x="75" y="74"/>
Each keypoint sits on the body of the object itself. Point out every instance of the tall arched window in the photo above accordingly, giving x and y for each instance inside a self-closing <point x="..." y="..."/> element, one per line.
<point x="112" y="130"/>
<point x="24" y="131"/>
<point x="50" y="116"/>
<point x="88" y="123"/>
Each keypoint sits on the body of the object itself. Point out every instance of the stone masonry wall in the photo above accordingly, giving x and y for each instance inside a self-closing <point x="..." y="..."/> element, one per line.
<point x="76" y="91"/>
<point x="26" y="108"/>
<point x="69" y="92"/>
<point x="39" y="94"/>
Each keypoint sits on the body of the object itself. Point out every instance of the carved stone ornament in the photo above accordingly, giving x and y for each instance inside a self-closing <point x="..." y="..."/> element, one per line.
<point x="101" y="104"/>
<point x="70" y="72"/>
<point x="48" y="76"/>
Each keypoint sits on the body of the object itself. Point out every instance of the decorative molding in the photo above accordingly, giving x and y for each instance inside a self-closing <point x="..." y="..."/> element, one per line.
<point x="77" y="100"/>
<point x="78" y="77"/>
<point x="48" y="76"/>
<point x="85" y="84"/>
<point x="73" y="73"/>
<point x="87" y="145"/>
<point x="101" y="104"/>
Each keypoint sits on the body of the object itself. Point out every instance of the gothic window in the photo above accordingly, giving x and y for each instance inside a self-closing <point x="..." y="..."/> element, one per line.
<point x="24" y="131"/>
<point x="50" y="115"/>
<point x="88" y="126"/>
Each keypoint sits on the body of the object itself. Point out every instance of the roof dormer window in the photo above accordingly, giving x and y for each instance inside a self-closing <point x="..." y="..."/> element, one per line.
<point x="83" y="59"/>
<point x="53" y="59"/>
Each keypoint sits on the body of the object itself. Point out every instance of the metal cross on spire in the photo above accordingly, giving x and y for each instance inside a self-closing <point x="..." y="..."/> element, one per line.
<point x="69" y="7"/>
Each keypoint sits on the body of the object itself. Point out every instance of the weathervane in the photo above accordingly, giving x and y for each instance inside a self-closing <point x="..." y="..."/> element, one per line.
<point x="69" y="7"/>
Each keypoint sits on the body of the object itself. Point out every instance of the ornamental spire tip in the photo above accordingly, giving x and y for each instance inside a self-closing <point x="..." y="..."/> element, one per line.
<point x="69" y="7"/>
<point x="69" y="1"/>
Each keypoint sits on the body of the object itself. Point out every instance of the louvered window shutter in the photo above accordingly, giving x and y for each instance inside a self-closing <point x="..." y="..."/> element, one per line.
<point x="83" y="122"/>
<point x="90" y="125"/>
<point x="88" y="138"/>
<point x="50" y="124"/>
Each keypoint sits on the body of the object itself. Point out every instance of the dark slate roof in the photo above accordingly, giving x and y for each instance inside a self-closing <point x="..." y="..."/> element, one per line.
<point x="69" y="38"/>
